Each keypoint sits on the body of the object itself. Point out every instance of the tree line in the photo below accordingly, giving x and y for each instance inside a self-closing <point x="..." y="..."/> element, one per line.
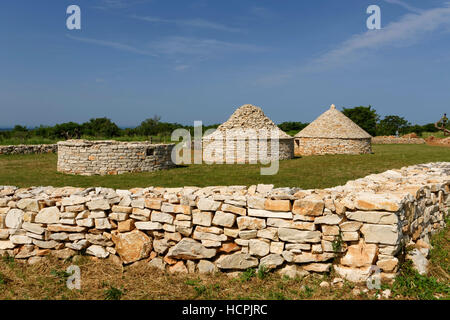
<point x="366" y="117"/>
<point x="97" y="128"/>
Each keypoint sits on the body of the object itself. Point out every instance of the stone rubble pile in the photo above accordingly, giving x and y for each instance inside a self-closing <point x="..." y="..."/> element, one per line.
<point x="28" y="149"/>
<point x="397" y="140"/>
<point x="250" y="117"/>
<point x="365" y="223"/>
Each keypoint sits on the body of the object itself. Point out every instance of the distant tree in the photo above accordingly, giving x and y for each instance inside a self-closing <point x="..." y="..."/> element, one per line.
<point x="68" y="130"/>
<point x="129" y="132"/>
<point x="418" y="129"/>
<point x="20" y="132"/>
<point x="429" y="127"/>
<point x="43" y="131"/>
<point x="100" y="127"/>
<point x="392" y="124"/>
<point x="149" y="126"/>
<point x="19" y="128"/>
<point x="365" y="117"/>
<point x="292" y="126"/>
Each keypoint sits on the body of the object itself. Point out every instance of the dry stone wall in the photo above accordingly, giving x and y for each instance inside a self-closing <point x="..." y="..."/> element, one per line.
<point x="397" y="140"/>
<point x="367" y="222"/>
<point x="305" y="146"/>
<point x="85" y="157"/>
<point x="28" y="149"/>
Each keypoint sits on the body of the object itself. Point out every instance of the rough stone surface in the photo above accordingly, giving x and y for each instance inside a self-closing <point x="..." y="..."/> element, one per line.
<point x="132" y="246"/>
<point x="272" y="261"/>
<point x="48" y="215"/>
<point x="205" y="266"/>
<point x="190" y="249"/>
<point x="380" y="234"/>
<point x="14" y="219"/>
<point x="259" y="248"/>
<point x="298" y="236"/>
<point x="360" y="255"/>
<point x="239" y="261"/>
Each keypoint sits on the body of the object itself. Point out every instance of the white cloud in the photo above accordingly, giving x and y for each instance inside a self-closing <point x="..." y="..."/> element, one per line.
<point x="177" y="45"/>
<point x="111" y="44"/>
<point x="405" y="5"/>
<point x="181" y="67"/>
<point x="118" y="4"/>
<point x="196" y="23"/>
<point x="409" y="29"/>
<point x="261" y="12"/>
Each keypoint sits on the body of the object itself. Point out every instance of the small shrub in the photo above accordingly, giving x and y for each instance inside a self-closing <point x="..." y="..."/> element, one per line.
<point x="113" y="293"/>
<point x="192" y="282"/>
<point x="9" y="260"/>
<point x="199" y="290"/>
<point x="262" y="273"/>
<point x="337" y="243"/>
<point x="306" y="293"/>
<point x="2" y="279"/>
<point x="247" y="275"/>
<point x="61" y="275"/>
<point x="276" y="295"/>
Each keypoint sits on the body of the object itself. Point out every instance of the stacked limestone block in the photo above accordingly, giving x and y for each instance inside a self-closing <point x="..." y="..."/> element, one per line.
<point x="397" y="140"/>
<point x="248" y="136"/>
<point x="28" y="149"/>
<point x="85" y="157"/>
<point x="332" y="133"/>
<point x="367" y="222"/>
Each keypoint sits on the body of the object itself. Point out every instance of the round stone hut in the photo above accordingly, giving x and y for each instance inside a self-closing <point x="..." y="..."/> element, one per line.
<point x="248" y="136"/>
<point x="104" y="157"/>
<point x="332" y="133"/>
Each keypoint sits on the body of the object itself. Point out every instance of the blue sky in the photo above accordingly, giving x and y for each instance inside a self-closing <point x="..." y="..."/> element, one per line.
<point x="200" y="60"/>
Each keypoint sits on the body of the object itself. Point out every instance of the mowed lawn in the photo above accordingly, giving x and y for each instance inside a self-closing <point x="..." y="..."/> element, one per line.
<point x="305" y="172"/>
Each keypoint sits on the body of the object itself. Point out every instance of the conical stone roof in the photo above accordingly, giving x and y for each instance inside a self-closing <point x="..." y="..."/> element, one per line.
<point x="335" y="125"/>
<point x="246" y="120"/>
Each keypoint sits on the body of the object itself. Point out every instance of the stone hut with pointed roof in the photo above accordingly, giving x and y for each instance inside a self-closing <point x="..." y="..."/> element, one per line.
<point x="248" y="136"/>
<point x="332" y="133"/>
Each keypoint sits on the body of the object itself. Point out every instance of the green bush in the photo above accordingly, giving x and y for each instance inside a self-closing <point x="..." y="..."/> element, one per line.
<point x="113" y="293"/>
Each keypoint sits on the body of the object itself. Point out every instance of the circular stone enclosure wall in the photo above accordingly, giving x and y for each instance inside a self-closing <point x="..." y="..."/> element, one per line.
<point x="105" y="157"/>
<point x="245" y="150"/>
<point x="322" y="146"/>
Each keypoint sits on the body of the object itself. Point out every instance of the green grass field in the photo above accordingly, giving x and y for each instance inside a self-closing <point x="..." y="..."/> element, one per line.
<point x="306" y="172"/>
